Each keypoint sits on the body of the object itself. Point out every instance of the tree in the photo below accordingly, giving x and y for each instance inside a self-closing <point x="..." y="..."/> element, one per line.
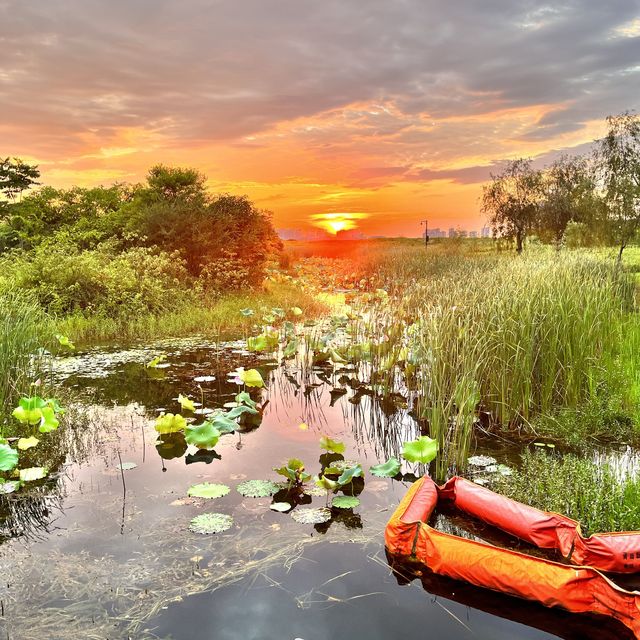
<point x="568" y="195"/>
<point x="16" y="176"/>
<point x="512" y="201"/>
<point x="618" y="156"/>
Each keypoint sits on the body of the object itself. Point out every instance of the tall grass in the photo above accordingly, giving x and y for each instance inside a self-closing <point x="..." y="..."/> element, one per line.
<point x="515" y="337"/>
<point x="23" y="330"/>
<point x="589" y="491"/>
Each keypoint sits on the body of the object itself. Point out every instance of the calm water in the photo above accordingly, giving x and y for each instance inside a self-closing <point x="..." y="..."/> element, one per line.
<point x="85" y="556"/>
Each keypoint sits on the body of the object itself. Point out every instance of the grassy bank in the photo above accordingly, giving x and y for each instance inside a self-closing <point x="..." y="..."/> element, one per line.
<point x="220" y="317"/>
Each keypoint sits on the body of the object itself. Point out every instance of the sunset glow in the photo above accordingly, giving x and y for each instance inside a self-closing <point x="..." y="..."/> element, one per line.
<point x="289" y="108"/>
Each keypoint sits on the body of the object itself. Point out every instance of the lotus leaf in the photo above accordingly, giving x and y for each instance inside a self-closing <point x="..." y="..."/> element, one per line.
<point x="48" y="420"/>
<point x="328" y="444"/>
<point x="33" y="473"/>
<point x="282" y="507"/>
<point x="257" y="488"/>
<point x="325" y="483"/>
<point x="296" y="311"/>
<point x="203" y="436"/>
<point x="345" y="502"/>
<point x="349" y="474"/>
<point x="207" y="523"/>
<point x="251" y="378"/>
<point x="27" y="443"/>
<point x="8" y="457"/>
<point x="152" y="364"/>
<point x="423" y="450"/>
<point x="386" y="470"/>
<point x="311" y="516"/>
<point x="186" y="403"/>
<point x="170" y="423"/>
<point x="481" y="461"/>
<point x="64" y="341"/>
<point x="29" y="410"/>
<point x="127" y="466"/>
<point x="208" y="490"/>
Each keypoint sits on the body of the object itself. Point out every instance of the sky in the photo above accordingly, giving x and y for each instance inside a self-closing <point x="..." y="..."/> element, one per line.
<point x="380" y="113"/>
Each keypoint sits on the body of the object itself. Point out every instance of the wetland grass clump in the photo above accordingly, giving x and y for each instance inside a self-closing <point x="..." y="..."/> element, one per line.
<point x="587" y="490"/>
<point x="513" y="337"/>
<point x="24" y="329"/>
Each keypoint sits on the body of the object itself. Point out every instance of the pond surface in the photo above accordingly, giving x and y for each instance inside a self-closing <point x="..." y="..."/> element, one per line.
<point x="94" y="552"/>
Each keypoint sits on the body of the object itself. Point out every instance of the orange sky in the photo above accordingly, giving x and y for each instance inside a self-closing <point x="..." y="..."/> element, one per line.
<point x="310" y="110"/>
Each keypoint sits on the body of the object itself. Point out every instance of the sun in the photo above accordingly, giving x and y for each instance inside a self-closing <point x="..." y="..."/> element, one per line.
<point x="333" y="223"/>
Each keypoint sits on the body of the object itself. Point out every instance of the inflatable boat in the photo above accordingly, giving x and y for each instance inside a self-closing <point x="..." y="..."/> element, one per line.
<point x="576" y="584"/>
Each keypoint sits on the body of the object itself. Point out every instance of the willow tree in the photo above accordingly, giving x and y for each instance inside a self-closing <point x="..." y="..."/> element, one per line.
<point x="512" y="201"/>
<point x="618" y="155"/>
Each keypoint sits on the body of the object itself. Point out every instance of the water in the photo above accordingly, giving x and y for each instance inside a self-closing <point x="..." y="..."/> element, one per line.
<point x="88" y="556"/>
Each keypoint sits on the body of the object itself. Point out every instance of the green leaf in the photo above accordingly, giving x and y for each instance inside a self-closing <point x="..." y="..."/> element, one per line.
<point x="282" y="507"/>
<point x="386" y="470"/>
<point x="296" y="311"/>
<point x="257" y="488"/>
<point x="422" y="450"/>
<point x="10" y="486"/>
<point x="55" y="405"/>
<point x="222" y="423"/>
<point x="311" y="516"/>
<point x="186" y="403"/>
<point x="203" y="436"/>
<point x="208" y="490"/>
<point x="170" y="423"/>
<point x="27" y="443"/>
<point x="252" y="378"/>
<point x="325" y="483"/>
<point x="328" y="444"/>
<point x="244" y="398"/>
<point x="246" y="312"/>
<point x="349" y="474"/>
<point x="64" y="341"/>
<point x="293" y="470"/>
<point x="33" y="473"/>
<point x="152" y="364"/>
<point x="345" y="502"/>
<point x="8" y="457"/>
<point x="236" y="412"/>
<point x="291" y="349"/>
<point x="48" y="421"/>
<point x="29" y="410"/>
<point x="207" y="523"/>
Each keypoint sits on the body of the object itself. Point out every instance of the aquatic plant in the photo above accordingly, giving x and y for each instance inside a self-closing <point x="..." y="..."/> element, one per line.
<point x="257" y="488"/>
<point x="387" y="469"/>
<point x="207" y="523"/>
<point x="208" y="490"/>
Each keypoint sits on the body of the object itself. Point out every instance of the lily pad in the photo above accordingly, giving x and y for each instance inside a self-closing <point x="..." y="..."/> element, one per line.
<point x="388" y="469"/>
<point x="127" y="466"/>
<point x="319" y="492"/>
<point x="328" y="444"/>
<point x="282" y="507"/>
<point x="27" y="443"/>
<point x="9" y="487"/>
<point x="33" y="473"/>
<point x="345" y="502"/>
<point x="207" y="523"/>
<point x="257" y="488"/>
<point x="8" y="457"/>
<point x="311" y="516"/>
<point x="170" y="423"/>
<point x="423" y="450"/>
<point x="204" y="436"/>
<point x="208" y="490"/>
<point x="481" y="461"/>
<point x="204" y="379"/>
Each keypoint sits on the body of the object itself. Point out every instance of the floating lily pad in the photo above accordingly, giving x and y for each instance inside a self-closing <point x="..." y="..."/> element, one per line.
<point x="27" y="443"/>
<point x="311" y="516"/>
<point x="257" y="488"/>
<point x="345" y="502"/>
<point x="208" y="490"/>
<point x="207" y="523"/>
<point x="127" y="466"/>
<point x="388" y="469"/>
<point x="282" y="507"/>
<point x="9" y="487"/>
<point x="315" y="491"/>
<point x="204" y="379"/>
<point x="33" y="473"/>
<point x="481" y="461"/>
<point x="343" y="465"/>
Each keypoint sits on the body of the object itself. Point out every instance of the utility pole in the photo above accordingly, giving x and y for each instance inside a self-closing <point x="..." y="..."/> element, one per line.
<point x="426" y="232"/>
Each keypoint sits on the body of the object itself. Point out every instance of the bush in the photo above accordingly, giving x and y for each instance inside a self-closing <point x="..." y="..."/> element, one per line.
<point x="100" y="281"/>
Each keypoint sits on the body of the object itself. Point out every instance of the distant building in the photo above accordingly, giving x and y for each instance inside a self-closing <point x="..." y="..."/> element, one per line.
<point x="486" y="232"/>
<point x="452" y="232"/>
<point x="473" y="234"/>
<point x="437" y="233"/>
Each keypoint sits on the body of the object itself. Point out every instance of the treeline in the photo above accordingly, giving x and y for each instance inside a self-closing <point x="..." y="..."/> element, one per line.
<point x="127" y="249"/>
<point x="578" y="200"/>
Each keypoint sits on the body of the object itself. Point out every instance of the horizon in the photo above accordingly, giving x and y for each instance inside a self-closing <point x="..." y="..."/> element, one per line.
<point x="331" y="118"/>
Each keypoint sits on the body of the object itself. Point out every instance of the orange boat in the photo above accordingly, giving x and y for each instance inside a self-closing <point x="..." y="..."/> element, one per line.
<point x="579" y="587"/>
